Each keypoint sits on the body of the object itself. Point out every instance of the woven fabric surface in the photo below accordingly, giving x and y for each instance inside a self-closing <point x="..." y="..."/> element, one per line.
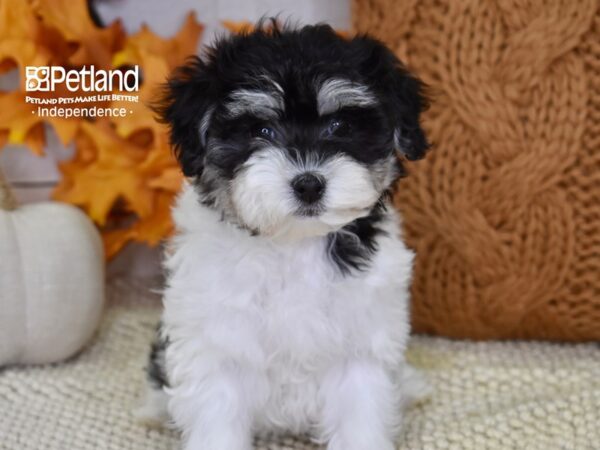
<point x="505" y="211"/>
<point x="485" y="395"/>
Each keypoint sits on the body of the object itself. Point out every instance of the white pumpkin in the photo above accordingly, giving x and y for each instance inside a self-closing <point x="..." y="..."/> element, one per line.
<point x="51" y="280"/>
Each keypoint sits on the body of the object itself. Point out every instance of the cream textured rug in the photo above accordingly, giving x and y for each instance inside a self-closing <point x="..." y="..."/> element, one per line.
<point x="486" y="395"/>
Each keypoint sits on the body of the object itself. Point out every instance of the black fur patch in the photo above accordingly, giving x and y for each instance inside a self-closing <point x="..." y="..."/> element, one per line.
<point x="156" y="363"/>
<point x="353" y="247"/>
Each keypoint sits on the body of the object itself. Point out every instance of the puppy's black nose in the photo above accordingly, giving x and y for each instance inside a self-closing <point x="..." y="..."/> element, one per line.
<point x="308" y="187"/>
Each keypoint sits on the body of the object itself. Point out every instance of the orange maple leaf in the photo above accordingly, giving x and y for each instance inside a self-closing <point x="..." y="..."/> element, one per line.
<point x="160" y="167"/>
<point x="20" y="123"/>
<point x="157" y="57"/>
<point x="141" y="116"/>
<point x="164" y="179"/>
<point x="93" y="45"/>
<point x="150" y="230"/>
<point x="173" y="50"/>
<point x="19" y="29"/>
<point x="112" y="174"/>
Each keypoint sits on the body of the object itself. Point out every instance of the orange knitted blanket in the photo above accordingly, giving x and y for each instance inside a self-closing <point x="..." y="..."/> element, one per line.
<point x="504" y="213"/>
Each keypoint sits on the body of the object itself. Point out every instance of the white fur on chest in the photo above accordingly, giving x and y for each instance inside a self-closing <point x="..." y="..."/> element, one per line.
<point x="282" y="310"/>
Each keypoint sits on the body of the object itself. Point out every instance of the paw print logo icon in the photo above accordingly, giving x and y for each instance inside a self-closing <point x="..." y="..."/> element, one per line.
<point x="37" y="78"/>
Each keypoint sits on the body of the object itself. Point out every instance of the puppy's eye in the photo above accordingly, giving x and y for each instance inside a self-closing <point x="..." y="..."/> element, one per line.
<point x="336" y="127"/>
<point x="266" y="132"/>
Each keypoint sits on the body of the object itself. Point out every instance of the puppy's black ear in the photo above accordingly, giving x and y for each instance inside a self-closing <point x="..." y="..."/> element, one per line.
<point x="186" y="107"/>
<point x="402" y="95"/>
<point x="408" y="102"/>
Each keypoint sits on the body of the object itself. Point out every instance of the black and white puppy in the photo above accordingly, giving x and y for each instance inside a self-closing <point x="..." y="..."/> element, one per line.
<point x="286" y="307"/>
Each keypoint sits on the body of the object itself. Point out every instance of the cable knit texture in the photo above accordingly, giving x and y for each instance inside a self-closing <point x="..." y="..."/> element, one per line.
<point x="537" y="396"/>
<point x="505" y="211"/>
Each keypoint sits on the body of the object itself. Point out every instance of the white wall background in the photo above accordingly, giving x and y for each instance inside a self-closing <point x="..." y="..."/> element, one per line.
<point x="165" y="17"/>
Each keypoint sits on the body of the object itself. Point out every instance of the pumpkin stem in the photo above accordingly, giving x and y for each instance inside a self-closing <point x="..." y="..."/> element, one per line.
<point x="7" y="199"/>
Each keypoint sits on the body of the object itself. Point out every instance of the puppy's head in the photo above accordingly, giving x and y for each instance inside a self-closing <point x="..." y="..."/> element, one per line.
<point x="294" y="132"/>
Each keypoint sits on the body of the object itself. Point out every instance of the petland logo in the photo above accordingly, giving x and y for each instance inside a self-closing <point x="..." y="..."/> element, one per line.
<point x="87" y="79"/>
<point x="93" y="93"/>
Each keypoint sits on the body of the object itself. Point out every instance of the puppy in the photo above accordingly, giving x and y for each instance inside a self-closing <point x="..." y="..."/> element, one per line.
<point x="286" y="305"/>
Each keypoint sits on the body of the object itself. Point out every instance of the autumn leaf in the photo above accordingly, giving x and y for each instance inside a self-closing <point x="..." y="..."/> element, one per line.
<point x="141" y="116"/>
<point x="157" y="57"/>
<point x="164" y="178"/>
<point x="150" y="230"/>
<point x="95" y="46"/>
<point x="160" y="167"/>
<point x="21" y="123"/>
<point x="17" y="120"/>
<point x="18" y="31"/>
<point x="112" y="174"/>
<point x="172" y="50"/>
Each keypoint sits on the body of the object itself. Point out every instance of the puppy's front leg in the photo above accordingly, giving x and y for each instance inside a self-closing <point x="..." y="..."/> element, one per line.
<point x="361" y="407"/>
<point x="214" y="410"/>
